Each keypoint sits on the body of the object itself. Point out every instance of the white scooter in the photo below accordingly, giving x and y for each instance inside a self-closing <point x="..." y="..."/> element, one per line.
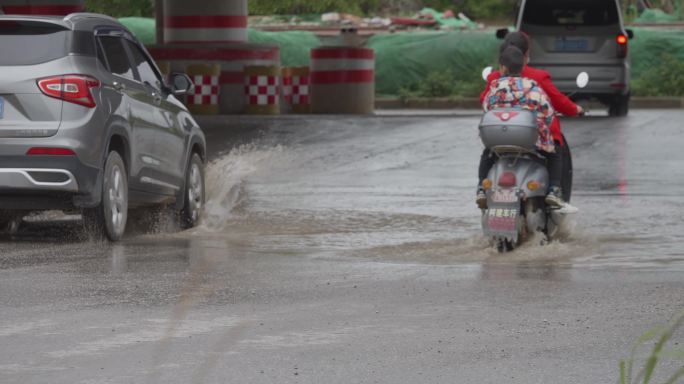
<point x="518" y="182"/>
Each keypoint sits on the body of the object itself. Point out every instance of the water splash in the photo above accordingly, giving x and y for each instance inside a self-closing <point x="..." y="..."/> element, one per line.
<point x="226" y="180"/>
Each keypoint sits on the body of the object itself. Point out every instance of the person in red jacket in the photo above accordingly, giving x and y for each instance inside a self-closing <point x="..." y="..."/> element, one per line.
<point x="559" y="101"/>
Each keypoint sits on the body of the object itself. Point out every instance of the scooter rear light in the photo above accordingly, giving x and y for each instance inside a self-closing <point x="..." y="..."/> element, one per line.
<point x="533" y="185"/>
<point x="507" y="179"/>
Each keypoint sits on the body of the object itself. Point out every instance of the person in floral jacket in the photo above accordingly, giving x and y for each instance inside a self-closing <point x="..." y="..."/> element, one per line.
<point x="514" y="91"/>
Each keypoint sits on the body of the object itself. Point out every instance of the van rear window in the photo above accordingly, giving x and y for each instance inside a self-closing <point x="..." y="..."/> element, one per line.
<point x="571" y="12"/>
<point x="29" y="42"/>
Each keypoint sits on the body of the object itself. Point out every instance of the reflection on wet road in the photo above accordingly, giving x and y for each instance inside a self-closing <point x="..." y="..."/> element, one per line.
<point x="401" y="190"/>
<point x="349" y="250"/>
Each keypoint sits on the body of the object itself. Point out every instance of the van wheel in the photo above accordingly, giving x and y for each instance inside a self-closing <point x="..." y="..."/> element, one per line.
<point x="619" y="106"/>
<point x="109" y="218"/>
<point x="10" y="220"/>
<point x="193" y="194"/>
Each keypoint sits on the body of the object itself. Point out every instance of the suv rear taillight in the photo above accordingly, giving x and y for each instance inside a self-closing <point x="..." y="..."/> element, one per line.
<point x="621" y="46"/>
<point x="49" y="151"/>
<point x="72" y="88"/>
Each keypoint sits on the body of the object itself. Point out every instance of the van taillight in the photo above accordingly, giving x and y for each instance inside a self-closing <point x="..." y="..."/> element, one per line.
<point x="621" y="46"/>
<point x="72" y="88"/>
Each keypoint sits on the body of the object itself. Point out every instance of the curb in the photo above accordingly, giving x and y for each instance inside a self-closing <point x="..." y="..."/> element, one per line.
<point x="436" y="103"/>
<point x="657" y="102"/>
<point x="474" y="103"/>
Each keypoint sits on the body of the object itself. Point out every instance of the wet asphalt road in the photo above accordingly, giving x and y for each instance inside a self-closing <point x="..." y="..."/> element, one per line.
<point x="348" y="250"/>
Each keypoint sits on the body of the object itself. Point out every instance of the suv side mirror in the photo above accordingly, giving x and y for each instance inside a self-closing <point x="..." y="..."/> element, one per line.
<point x="630" y="33"/>
<point x="501" y="33"/>
<point x="181" y="84"/>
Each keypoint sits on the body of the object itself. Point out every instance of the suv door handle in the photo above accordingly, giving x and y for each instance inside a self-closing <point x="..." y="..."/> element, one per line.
<point x="119" y="86"/>
<point x="154" y="93"/>
<point x="156" y="97"/>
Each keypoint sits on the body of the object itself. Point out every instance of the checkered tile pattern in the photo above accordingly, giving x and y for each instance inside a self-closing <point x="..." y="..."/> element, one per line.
<point x="206" y="90"/>
<point x="298" y="91"/>
<point x="262" y="90"/>
<point x="287" y="88"/>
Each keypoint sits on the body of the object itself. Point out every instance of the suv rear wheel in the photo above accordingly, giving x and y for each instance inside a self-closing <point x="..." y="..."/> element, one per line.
<point x="619" y="106"/>
<point x="109" y="218"/>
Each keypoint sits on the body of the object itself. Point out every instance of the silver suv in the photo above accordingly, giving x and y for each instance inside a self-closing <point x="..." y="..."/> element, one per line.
<point x="572" y="36"/>
<point x="88" y="124"/>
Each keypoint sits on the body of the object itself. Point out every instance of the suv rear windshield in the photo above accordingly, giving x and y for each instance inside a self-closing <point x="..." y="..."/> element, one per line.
<point x="571" y="12"/>
<point x="30" y="42"/>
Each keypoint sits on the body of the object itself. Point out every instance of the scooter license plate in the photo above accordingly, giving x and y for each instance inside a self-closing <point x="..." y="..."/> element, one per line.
<point x="502" y="221"/>
<point x="504" y="196"/>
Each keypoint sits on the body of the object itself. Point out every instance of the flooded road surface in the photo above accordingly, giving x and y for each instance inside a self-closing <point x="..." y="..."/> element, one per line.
<point x="348" y="250"/>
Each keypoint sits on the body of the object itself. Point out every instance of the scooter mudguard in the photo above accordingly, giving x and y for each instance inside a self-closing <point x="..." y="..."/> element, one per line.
<point x="525" y="170"/>
<point x="510" y="176"/>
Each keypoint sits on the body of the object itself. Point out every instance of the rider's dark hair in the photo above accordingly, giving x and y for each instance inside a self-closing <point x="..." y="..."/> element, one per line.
<point x="518" y="40"/>
<point x="513" y="59"/>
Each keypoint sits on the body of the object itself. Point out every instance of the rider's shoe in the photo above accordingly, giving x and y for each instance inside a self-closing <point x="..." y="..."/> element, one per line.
<point x="568" y="209"/>
<point x="554" y="198"/>
<point x="481" y="199"/>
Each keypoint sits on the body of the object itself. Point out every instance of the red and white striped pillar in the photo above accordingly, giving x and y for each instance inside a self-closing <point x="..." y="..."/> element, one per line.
<point x="41" y="7"/>
<point x="342" y="80"/>
<point x="206" y="21"/>
<point x="232" y="58"/>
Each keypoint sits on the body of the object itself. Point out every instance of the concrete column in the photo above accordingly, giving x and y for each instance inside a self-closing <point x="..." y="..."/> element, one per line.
<point x="207" y="21"/>
<point x="159" y="18"/>
<point x="42" y="7"/>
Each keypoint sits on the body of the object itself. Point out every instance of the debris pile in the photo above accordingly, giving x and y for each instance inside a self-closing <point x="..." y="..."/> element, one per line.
<point x="427" y="18"/>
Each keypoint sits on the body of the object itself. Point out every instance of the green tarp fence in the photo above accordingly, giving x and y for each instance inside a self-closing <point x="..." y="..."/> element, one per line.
<point x="649" y="47"/>
<point x="142" y="27"/>
<point x="656" y="16"/>
<point x="295" y="46"/>
<point x="405" y="60"/>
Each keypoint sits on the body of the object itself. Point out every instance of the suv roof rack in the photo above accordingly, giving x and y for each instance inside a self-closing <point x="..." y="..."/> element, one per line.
<point x="87" y="15"/>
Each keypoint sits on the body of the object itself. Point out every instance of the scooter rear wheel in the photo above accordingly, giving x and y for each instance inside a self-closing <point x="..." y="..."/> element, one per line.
<point x="566" y="182"/>
<point x="505" y="246"/>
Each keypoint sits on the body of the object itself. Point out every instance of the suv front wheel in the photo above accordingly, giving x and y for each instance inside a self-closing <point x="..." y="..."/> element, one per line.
<point x="109" y="218"/>
<point x="194" y="193"/>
